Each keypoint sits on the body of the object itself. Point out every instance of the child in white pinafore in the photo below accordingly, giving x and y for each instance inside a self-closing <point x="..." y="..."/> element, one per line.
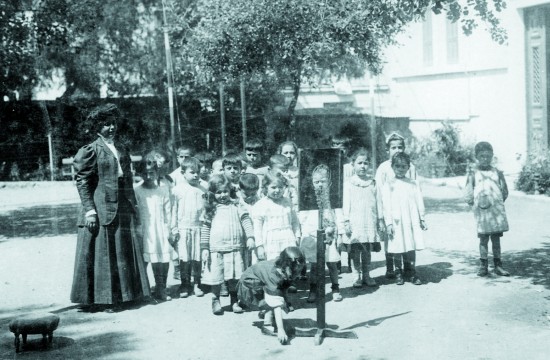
<point x="189" y="199"/>
<point x="226" y="229"/>
<point x="404" y="218"/>
<point x="276" y="224"/>
<point x="486" y="191"/>
<point x="361" y="218"/>
<point x="153" y="201"/>
<point x="395" y="143"/>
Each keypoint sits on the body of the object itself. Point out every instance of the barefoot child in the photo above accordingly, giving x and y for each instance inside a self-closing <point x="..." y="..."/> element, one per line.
<point x="404" y="218"/>
<point x="486" y="191"/>
<point x="226" y="230"/>
<point x="264" y="286"/>
<point x="361" y="218"/>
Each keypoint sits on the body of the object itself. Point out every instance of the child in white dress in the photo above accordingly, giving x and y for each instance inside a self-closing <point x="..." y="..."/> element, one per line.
<point x="189" y="199"/>
<point x="404" y="217"/>
<point x="486" y="191"/>
<point x="361" y="218"/>
<point x="153" y="201"/>
<point x="395" y="143"/>
<point x="226" y="231"/>
<point x="276" y="224"/>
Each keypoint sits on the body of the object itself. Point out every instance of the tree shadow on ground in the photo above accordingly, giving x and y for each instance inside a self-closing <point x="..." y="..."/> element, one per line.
<point x="531" y="264"/>
<point x="434" y="273"/>
<point x="93" y="340"/>
<point x="39" y="221"/>
<point x="435" y="205"/>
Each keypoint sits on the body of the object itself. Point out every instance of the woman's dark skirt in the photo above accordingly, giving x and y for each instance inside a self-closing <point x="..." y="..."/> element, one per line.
<point x="109" y="266"/>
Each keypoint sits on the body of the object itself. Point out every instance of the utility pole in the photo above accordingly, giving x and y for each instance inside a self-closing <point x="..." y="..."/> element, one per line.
<point x="222" y="117"/>
<point x="373" y="129"/>
<point x="169" y="78"/>
<point x="243" y="112"/>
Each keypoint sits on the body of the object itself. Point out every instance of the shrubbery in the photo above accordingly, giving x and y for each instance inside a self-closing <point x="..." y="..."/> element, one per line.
<point x="441" y="154"/>
<point x="535" y="175"/>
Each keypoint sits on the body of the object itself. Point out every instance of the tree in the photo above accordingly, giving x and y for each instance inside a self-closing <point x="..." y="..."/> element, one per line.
<point x="302" y="40"/>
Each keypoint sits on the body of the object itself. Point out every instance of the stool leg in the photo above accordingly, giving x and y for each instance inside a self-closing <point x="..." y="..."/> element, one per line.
<point x="24" y="338"/>
<point x="50" y="337"/>
<point x="44" y="340"/>
<point x="16" y="343"/>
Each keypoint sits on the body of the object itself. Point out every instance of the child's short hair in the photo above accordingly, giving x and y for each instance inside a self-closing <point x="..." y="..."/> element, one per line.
<point x="359" y="152"/>
<point x="232" y="159"/>
<point x="150" y="160"/>
<point x="320" y="169"/>
<point x="291" y="143"/>
<point x="185" y="147"/>
<point x="278" y="159"/>
<point x="482" y="146"/>
<point x="249" y="182"/>
<point x="402" y="158"/>
<point x="271" y="177"/>
<point x="206" y="158"/>
<point x="393" y="137"/>
<point x="191" y="163"/>
<point x="254" y="145"/>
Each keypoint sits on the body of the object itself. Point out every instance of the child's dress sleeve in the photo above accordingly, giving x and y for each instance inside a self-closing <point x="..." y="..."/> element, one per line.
<point x="174" y="212"/>
<point x="273" y="294"/>
<point x="386" y="199"/>
<point x="258" y="223"/>
<point x="246" y="222"/>
<point x="295" y="222"/>
<point x="205" y="234"/>
<point x="469" y="189"/>
<point x="420" y="201"/>
<point x="502" y="184"/>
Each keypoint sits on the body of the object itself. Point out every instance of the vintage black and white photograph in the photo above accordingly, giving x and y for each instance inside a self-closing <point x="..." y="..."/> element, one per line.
<point x="274" y="179"/>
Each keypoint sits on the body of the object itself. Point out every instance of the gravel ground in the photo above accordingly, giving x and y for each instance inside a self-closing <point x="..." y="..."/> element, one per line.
<point x="454" y="315"/>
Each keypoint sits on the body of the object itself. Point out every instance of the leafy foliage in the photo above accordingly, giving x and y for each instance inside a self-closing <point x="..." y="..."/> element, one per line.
<point x="296" y="40"/>
<point x="442" y="154"/>
<point x="535" y="175"/>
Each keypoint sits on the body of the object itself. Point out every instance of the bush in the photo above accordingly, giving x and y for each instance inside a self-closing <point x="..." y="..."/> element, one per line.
<point x="441" y="154"/>
<point x="535" y="175"/>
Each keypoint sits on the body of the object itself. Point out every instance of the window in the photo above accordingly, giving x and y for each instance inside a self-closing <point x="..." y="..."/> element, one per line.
<point x="452" y="42"/>
<point x="427" y="39"/>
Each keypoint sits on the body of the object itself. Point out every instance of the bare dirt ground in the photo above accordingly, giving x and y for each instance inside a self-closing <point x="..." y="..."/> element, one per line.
<point x="454" y="315"/>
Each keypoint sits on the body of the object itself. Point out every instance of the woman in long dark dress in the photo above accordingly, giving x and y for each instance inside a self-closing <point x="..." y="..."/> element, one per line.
<point x="109" y="268"/>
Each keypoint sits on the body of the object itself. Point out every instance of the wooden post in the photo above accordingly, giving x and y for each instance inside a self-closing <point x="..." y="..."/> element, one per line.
<point x="222" y="117"/>
<point x="169" y="78"/>
<point x="50" y="148"/>
<point x="373" y="129"/>
<point x="243" y="112"/>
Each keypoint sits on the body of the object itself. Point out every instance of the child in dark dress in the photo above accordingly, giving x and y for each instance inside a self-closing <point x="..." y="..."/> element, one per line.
<point x="265" y="284"/>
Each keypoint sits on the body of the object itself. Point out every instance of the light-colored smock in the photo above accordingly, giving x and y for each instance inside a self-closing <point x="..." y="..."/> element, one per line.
<point x="360" y="210"/>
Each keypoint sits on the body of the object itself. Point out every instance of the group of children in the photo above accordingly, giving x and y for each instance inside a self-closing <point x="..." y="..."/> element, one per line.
<point x="234" y="224"/>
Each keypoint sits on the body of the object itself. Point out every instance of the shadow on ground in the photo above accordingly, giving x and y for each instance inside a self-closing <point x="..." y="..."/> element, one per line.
<point x="92" y="339"/>
<point x="529" y="264"/>
<point x="39" y="221"/>
<point x="435" y="205"/>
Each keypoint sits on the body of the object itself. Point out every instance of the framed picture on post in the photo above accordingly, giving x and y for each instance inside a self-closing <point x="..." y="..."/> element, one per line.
<point x="326" y="164"/>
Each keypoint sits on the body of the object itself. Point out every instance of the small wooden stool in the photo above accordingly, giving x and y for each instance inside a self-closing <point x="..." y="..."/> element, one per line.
<point x="44" y="324"/>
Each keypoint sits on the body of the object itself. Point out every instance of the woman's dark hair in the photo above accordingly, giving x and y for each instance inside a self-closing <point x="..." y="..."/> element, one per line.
<point x="99" y="115"/>
<point x="292" y="259"/>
